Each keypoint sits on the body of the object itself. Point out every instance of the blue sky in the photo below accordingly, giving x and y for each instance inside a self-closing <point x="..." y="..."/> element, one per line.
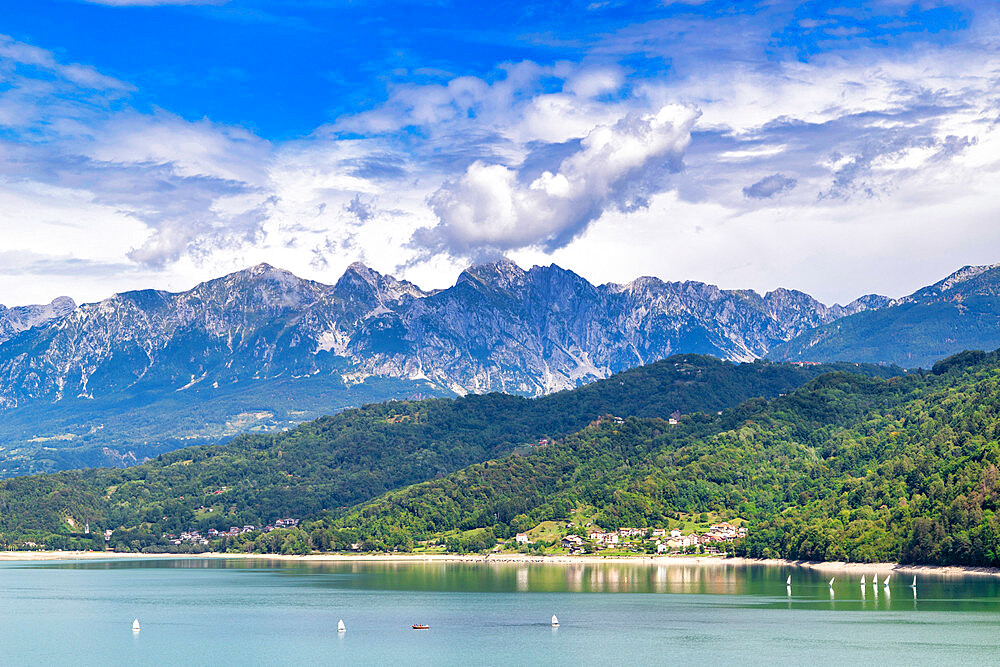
<point x="836" y="147"/>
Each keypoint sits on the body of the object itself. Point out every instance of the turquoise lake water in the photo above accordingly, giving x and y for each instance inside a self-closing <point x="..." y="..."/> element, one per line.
<point x="211" y="612"/>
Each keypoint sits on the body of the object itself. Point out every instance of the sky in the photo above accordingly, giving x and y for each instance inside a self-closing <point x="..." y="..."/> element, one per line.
<point x="838" y="148"/>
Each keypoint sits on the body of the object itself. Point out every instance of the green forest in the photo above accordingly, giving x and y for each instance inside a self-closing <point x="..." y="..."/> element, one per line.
<point x="819" y="463"/>
<point x="324" y="467"/>
<point x="847" y="468"/>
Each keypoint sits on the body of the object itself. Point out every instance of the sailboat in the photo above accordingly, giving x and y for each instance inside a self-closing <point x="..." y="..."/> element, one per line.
<point x="340" y="626"/>
<point x="914" y="584"/>
<point x="862" y="580"/>
<point x="555" y="621"/>
<point x="135" y="625"/>
<point x="788" y="581"/>
<point x="831" y="582"/>
<point x="886" y="582"/>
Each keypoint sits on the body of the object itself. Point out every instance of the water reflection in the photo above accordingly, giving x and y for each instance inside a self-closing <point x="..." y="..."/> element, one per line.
<point x="752" y="584"/>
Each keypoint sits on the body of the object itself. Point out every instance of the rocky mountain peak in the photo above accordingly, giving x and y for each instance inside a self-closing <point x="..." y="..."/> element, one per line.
<point x="383" y="288"/>
<point x="262" y="285"/>
<point x="503" y="274"/>
<point x="20" y="318"/>
<point x="967" y="281"/>
<point x="866" y="302"/>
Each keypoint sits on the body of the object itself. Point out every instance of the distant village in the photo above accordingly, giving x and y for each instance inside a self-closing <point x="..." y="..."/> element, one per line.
<point x="195" y="537"/>
<point x="674" y="542"/>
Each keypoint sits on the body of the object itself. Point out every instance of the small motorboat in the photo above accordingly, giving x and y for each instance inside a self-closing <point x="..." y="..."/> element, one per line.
<point x="420" y="626"/>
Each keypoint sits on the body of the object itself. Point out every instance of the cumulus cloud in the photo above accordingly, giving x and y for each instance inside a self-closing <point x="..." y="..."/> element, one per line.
<point x="769" y="186"/>
<point x="524" y="159"/>
<point x="619" y="166"/>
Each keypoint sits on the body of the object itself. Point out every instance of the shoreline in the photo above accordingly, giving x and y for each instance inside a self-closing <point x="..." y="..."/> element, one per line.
<point x="518" y="559"/>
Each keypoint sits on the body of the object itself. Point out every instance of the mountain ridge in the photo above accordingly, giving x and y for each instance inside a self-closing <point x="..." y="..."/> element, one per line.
<point x="262" y="349"/>
<point x="16" y="319"/>
<point x="389" y="327"/>
<point x="959" y="312"/>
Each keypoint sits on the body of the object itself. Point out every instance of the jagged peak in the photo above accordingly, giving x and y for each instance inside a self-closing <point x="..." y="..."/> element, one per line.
<point x="63" y="303"/>
<point x="959" y="279"/>
<point x="964" y="274"/>
<point x="365" y="272"/>
<point x="503" y="272"/>
<point x="262" y="269"/>
<point x="784" y="295"/>
<point x="647" y="283"/>
<point x="383" y="285"/>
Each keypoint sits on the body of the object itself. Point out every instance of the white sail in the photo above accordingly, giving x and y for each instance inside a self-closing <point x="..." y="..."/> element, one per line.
<point x="135" y="625"/>
<point x="340" y="626"/>
<point x="831" y="582"/>
<point x="886" y="582"/>
<point x="914" y="584"/>
<point x="862" y="580"/>
<point x="788" y="581"/>
<point x="555" y="621"/>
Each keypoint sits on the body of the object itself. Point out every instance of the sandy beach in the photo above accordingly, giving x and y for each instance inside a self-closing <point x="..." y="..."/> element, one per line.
<point x="522" y="559"/>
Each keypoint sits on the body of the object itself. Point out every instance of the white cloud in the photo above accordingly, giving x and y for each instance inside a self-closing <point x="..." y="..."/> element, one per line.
<point x="13" y="53"/>
<point x="830" y="175"/>
<point x="488" y="209"/>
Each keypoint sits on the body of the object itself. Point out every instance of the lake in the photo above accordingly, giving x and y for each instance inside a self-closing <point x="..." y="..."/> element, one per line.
<point x="236" y="611"/>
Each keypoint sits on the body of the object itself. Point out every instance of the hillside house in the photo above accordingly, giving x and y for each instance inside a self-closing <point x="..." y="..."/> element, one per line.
<point x="604" y="538"/>
<point x="572" y="541"/>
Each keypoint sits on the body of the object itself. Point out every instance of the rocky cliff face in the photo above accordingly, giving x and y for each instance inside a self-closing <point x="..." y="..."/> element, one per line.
<point x="499" y="328"/>
<point x="20" y="318"/>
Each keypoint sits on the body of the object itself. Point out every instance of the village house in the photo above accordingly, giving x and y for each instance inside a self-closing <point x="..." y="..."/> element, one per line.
<point x="659" y="532"/>
<point x="604" y="538"/>
<point x="522" y="538"/>
<point x="571" y="541"/>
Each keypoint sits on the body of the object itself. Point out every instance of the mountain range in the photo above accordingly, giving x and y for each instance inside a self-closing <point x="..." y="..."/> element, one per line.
<point x="142" y="372"/>
<point x="961" y="312"/>
<point x="21" y="318"/>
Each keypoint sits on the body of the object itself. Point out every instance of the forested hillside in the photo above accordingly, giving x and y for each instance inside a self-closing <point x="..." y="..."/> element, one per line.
<point x="332" y="463"/>
<point x="845" y="468"/>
